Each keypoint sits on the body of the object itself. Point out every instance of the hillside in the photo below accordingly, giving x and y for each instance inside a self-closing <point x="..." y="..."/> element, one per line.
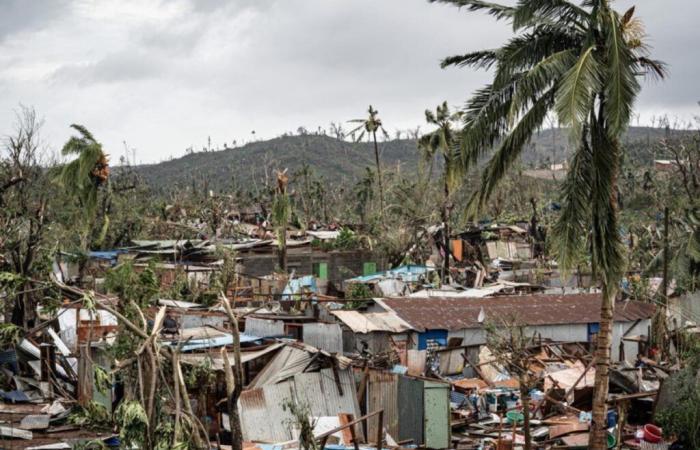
<point x="339" y="161"/>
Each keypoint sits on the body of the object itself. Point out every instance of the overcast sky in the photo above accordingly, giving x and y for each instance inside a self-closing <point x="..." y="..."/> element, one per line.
<point x="164" y="75"/>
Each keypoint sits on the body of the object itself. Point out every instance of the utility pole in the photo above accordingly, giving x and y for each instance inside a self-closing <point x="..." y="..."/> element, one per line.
<point x="664" y="283"/>
<point x="664" y="286"/>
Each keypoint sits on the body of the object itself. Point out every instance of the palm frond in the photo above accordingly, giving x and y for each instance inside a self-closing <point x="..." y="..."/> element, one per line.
<point x="512" y="146"/>
<point x="524" y="51"/>
<point x="528" y="12"/>
<point x="607" y="247"/>
<point x="483" y="59"/>
<point x="572" y="227"/>
<point x="541" y="77"/>
<point x="485" y="122"/>
<point x="652" y="68"/>
<point x="577" y="91"/>
<point x="622" y="85"/>
<point x="498" y="11"/>
<point x="86" y="135"/>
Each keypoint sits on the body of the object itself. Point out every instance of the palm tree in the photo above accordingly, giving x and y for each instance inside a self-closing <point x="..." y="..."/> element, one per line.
<point x="370" y="126"/>
<point x="442" y="141"/>
<point x="281" y="214"/>
<point x="83" y="178"/>
<point x="582" y="62"/>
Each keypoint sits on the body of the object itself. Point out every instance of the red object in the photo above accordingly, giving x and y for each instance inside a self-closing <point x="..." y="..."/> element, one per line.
<point x="652" y="433"/>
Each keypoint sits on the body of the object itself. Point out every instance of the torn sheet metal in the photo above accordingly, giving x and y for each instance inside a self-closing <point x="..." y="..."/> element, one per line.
<point x="368" y="322"/>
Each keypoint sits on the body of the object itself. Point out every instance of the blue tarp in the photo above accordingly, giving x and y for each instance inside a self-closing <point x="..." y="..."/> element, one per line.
<point x="408" y="273"/>
<point x="106" y="255"/>
<point x="219" y="341"/>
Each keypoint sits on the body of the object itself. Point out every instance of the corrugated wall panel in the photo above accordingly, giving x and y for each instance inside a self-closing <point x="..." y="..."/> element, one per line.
<point x="264" y="327"/>
<point x="382" y="392"/>
<point x="324" y="336"/>
<point x="262" y="416"/>
<point x="320" y="392"/>
<point x="410" y="394"/>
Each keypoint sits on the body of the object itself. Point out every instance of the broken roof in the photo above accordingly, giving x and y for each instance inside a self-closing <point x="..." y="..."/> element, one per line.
<point x="460" y="313"/>
<point x="368" y="322"/>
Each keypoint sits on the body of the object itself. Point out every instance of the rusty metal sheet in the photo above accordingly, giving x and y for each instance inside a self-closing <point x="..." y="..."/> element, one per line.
<point x="382" y="393"/>
<point x="441" y="313"/>
<point x="263" y="417"/>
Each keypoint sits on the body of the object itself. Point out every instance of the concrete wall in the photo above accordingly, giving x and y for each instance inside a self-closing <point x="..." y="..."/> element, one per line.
<point x="683" y="309"/>
<point x="630" y="348"/>
<point x="341" y="264"/>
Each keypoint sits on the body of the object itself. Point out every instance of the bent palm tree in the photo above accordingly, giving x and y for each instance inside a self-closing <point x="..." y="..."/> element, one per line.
<point x="370" y="126"/>
<point x="82" y="178"/>
<point x="442" y="141"/>
<point x="582" y="62"/>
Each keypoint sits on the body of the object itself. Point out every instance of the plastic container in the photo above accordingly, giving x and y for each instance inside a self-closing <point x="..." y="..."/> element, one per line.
<point x="514" y="416"/>
<point x="612" y="441"/>
<point x="612" y="418"/>
<point x="652" y="433"/>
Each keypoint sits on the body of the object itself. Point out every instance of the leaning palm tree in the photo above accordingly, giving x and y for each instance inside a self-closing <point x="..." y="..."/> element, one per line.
<point x="441" y="141"/>
<point x="581" y="61"/>
<point x="370" y="126"/>
<point x="82" y="178"/>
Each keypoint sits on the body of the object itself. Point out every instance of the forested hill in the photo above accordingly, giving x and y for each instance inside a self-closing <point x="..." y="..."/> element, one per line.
<point x="339" y="160"/>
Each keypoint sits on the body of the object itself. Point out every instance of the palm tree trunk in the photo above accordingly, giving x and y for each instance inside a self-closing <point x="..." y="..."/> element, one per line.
<point x="446" y="228"/>
<point x="598" y="435"/>
<point x="379" y="175"/>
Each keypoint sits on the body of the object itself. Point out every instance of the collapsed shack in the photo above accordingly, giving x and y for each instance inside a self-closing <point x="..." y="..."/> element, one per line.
<point x="400" y="371"/>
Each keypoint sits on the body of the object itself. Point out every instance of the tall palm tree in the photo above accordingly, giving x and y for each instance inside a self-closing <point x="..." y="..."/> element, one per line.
<point x="370" y="126"/>
<point x="442" y="141"/>
<point x="581" y="61"/>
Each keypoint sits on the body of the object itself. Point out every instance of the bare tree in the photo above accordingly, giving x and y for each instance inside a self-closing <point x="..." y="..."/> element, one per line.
<point x="23" y="207"/>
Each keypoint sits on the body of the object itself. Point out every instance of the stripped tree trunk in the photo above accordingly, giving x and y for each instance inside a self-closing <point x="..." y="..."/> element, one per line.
<point x="446" y="209"/>
<point x="598" y="435"/>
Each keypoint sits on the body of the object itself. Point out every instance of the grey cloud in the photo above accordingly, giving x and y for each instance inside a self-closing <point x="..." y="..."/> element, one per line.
<point x="223" y="68"/>
<point x="114" y="68"/>
<point x="18" y="16"/>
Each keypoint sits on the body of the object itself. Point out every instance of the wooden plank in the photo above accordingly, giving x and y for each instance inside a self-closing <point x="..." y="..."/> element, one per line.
<point x="15" y="432"/>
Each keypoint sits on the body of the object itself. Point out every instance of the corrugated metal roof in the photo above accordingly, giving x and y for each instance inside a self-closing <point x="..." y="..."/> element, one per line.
<point x="287" y="363"/>
<point x="368" y="322"/>
<point x="207" y="337"/>
<point x="217" y="362"/>
<point x="459" y="313"/>
<point x="263" y="415"/>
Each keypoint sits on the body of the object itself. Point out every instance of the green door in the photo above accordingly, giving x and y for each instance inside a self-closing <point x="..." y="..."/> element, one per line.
<point x="369" y="268"/>
<point x="321" y="270"/>
<point x="436" y="400"/>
